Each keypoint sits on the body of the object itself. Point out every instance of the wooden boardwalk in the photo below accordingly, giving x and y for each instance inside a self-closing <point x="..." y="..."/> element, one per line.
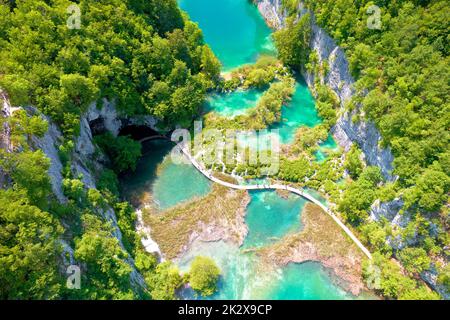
<point x="308" y="197"/>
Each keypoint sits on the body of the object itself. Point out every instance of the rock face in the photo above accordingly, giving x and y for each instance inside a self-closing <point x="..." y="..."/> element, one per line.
<point x="5" y="112"/>
<point x="346" y="132"/>
<point x="431" y="277"/>
<point x="107" y="118"/>
<point x="5" y="141"/>
<point x="339" y="79"/>
<point x="49" y="145"/>
<point x="85" y="160"/>
<point x="272" y="12"/>
<point x="83" y="154"/>
<point x="390" y="211"/>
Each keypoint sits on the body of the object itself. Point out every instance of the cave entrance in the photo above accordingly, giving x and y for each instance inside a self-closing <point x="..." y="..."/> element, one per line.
<point x="97" y="126"/>
<point x="140" y="133"/>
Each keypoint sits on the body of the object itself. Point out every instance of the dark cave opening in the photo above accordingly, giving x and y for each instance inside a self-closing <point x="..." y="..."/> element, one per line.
<point x="137" y="132"/>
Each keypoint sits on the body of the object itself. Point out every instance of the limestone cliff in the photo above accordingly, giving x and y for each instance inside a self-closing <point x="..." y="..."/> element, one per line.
<point x="346" y="132"/>
<point x="5" y="141"/>
<point x="84" y="163"/>
<point x="339" y="79"/>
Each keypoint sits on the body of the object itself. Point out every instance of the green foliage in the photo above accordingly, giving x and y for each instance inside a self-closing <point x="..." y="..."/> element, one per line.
<point x="430" y="191"/>
<point x="145" y="262"/>
<point x="23" y="127"/>
<point x="17" y="87"/>
<point x="420" y="293"/>
<point x="108" y="181"/>
<point x="268" y="109"/>
<point x="293" y="41"/>
<point x="353" y="163"/>
<point x="29" y="171"/>
<point x="96" y="199"/>
<point x="376" y="235"/>
<point x="126" y="220"/>
<point x="258" y="75"/>
<point x="387" y="192"/>
<point x="210" y="64"/>
<point x="258" y="78"/>
<point x="308" y="138"/>
<point x="397" y="86"/>
<point x="326" y="104"/>
<point x="360" y="195"/>
<point x="123" y="151"/>
<point x="204" y="275"/>
<point x="149" y="58"/>
<point x="164" y="282"/>
<point x="444" y="277"/>
<point x="415" y="260"/>
<point x="28" y="249"/>
<point x="107" y="275"/>
<point x="74" y="190"/>
<point x="295" y="170"/>
<point x="290" y="5"/>
<point x="185" y="102"/>
<point x="121" y="50"/>
<point x="389" y="279"/>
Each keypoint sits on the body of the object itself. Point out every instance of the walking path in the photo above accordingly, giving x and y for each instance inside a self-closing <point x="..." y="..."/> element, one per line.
<point x="276" y="187"/>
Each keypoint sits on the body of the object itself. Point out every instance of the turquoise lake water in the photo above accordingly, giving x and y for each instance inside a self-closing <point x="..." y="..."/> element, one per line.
<point x="243" y="276"/>
<point x="234" y="103"/>
<point x="306" y="281"/>
<point x="270" y="217"/>
<point x="238" y="34"/>
<point x="325" y="147"/>
<point x="233" y="28"/>
<point x="300" y="111"/>
<point x="179" y="183"/>
<point x="175" y="183"/>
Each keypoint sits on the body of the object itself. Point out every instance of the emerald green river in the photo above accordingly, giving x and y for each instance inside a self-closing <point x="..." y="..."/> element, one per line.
<point x="237" y="34"/>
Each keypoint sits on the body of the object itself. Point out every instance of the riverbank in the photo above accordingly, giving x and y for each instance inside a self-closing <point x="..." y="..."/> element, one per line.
<point x="217" y="216"/>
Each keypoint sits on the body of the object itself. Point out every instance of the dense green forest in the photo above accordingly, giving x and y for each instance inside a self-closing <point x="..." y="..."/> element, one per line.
<point x="147" y="57"/>
<point x="402" y="73"/>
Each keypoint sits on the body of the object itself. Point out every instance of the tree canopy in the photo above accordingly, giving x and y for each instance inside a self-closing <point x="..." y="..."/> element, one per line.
<point x="204" y="276"/>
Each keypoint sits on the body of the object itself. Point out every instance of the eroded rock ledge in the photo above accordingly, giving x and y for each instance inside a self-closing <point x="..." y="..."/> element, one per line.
<point x="220" y="215"/>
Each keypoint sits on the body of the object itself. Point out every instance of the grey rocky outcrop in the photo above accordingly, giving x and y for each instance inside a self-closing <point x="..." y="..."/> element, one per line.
<point x="108" y="118"/>
<point x="346" y="131"/>
<point x="339" y="79"/>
